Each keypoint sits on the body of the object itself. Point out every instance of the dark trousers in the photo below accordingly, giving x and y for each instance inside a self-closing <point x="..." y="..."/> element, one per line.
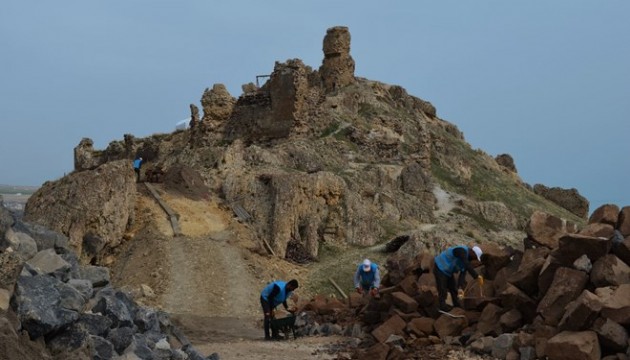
<point x="445" y="283"/>
<point x="267" y="308"/>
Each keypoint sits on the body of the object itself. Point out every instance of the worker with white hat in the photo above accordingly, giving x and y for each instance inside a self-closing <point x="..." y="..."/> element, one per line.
<point x="367" y="278"/>
<point x="447" y="263"/>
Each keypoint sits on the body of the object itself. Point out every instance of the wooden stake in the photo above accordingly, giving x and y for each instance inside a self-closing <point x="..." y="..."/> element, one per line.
<point x="343" y="294"/>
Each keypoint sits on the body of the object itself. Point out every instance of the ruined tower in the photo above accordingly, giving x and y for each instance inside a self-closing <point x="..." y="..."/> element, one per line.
<point x="337" y="69"/>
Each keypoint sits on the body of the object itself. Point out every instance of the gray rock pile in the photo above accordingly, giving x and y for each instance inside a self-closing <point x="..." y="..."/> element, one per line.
<point x="69" y="310"/>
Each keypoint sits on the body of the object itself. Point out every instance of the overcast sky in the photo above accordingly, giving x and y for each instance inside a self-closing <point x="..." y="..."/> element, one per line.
<point x="547" y="82"/>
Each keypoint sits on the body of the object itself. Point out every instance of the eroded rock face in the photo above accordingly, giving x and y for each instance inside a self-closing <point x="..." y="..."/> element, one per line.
<point x="217" y="103"/>
<point x="337" y="69"/>
<point x="99" y="202"/>
<point x="84" y="157"/>
<point x="569" y="199"/>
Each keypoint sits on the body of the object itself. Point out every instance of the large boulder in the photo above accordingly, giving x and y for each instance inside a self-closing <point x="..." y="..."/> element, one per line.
<point x="615" y="303"/>
<point x="623" y="223"/>
<point x="99" y="202"/>
<point x="609" y="270"/>
<point x="566" y="286"/>
<point x="545" y="229"/>
<point x="574" y="345"/>
<point x="607" y="214"/>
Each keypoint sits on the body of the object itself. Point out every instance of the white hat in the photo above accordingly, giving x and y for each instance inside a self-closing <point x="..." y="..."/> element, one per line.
<point x="367" y="265"/>
<point x="478" y="252"/>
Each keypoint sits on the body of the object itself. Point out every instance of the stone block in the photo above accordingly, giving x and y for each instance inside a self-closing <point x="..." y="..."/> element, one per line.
<point x="572" y="246"/>
<point x="607" y="214"/>
<point x="580" y="313"/>
<point x="394" y="325"/>
<point x="598" y="230"/>
<point x="502" y="345"/>
<point x="566" y="287"/>
<point x="514" y="298"/>
<point x="610" y="270"/>
<point x="404" y="302"/>
<point x="612" y="336"/>
<point x="526" y="277"/>
<point x="623" y="222"/>
<point x="488" y="323"/>
<point x="421" y="326"/>
<point x="545" y="229"/>
<point x="511" y="320"/>
<point x="615" y="303"/>
<point x="409" y="285"/>
<point x="582" y="345"/>
<point x="448" y="326"/>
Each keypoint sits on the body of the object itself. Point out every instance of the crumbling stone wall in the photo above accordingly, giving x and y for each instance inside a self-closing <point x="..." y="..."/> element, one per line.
<point x="276" y="109"/>
<point x="337" y="69"/>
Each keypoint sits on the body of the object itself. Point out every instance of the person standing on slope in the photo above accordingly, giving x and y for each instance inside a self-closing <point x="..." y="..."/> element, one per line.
<point x="137" y="163"/>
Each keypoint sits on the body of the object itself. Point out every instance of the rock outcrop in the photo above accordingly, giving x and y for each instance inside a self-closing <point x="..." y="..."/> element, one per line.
<point x="337" y="69"/>
<point x="569" y="199"/>
<point x="506" y="161"/>
<point x="97" y="202"/>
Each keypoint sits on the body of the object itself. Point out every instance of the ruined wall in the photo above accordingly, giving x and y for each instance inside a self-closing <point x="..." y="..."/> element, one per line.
<point x="337" y="69"/>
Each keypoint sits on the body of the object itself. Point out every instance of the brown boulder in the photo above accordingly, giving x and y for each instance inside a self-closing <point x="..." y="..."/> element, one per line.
<point x="404" y="302"/>
<point x="607" y="214"/>
<point x="612" y="336"/>
<point x="623" y="222"/>
<point x="511" y="320"/>
<point x="609" y="270"/>
<point x="513" y="297"/>
<point x="615" y="303"/>
<point x="449" y="326"/>
<point x="566" y="286"/>
<point x="598" y="230"/>
<point x="622" y="250"/>
<point x="376" y="352"/>
<point x="572" y="246"/>
<point x="409" y="285"/>
<point x="580" y="313"/>
<point x="547" y="273"/>
<point x="494" y="258"/>
<point x="582" y="345"/>
<point x="393" y="326"/>
<point x="545" y="229"/>
<point x="488" y="323"/>
<point x="526" y="277"/>
<point x="421" y="326"/>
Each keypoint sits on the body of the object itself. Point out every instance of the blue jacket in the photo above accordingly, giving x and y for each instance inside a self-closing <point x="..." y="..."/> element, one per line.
<point x="448" y="263"/>
<point x="370" y="278"/>
<point x="281" y="297"/>
<point x="137" y="163"/>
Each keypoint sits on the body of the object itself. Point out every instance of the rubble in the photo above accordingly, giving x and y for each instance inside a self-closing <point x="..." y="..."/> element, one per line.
<point x="576" y="315"/>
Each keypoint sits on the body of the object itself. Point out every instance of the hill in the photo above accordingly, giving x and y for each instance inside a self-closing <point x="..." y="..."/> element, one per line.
<point x="302" y="177"/>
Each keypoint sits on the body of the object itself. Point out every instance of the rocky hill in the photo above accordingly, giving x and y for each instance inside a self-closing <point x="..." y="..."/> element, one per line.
<point x="302" y="177"/>
<point x="315" y="157"/>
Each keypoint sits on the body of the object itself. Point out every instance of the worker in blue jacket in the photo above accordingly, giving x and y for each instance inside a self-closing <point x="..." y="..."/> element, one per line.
<point x="137" y="163"/>
<point x="447" y="263"/>
<point x="367" y="278"/>
<point x="272" y="295"/>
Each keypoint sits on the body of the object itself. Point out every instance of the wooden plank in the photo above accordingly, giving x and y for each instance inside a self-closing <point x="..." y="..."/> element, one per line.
<point x="172" y="216"/>
<point x="269" y="249"/>
<point x="343" y="294"/>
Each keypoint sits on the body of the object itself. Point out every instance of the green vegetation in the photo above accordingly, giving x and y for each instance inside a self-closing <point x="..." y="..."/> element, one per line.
<point x="488" y="184"/>
<point x="340" y="264"/>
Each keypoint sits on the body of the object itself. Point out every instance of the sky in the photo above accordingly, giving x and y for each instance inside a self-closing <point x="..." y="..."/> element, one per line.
<point x="547" y="82"/>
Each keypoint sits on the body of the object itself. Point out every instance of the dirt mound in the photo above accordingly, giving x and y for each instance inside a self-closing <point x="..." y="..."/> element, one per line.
<point x="186" y="181"/>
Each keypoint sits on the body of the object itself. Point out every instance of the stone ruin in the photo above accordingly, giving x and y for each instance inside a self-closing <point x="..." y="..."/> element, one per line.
<point x="281" y="105"/>
<point x="566" y="296"/>
<point x="337" y="69"/>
